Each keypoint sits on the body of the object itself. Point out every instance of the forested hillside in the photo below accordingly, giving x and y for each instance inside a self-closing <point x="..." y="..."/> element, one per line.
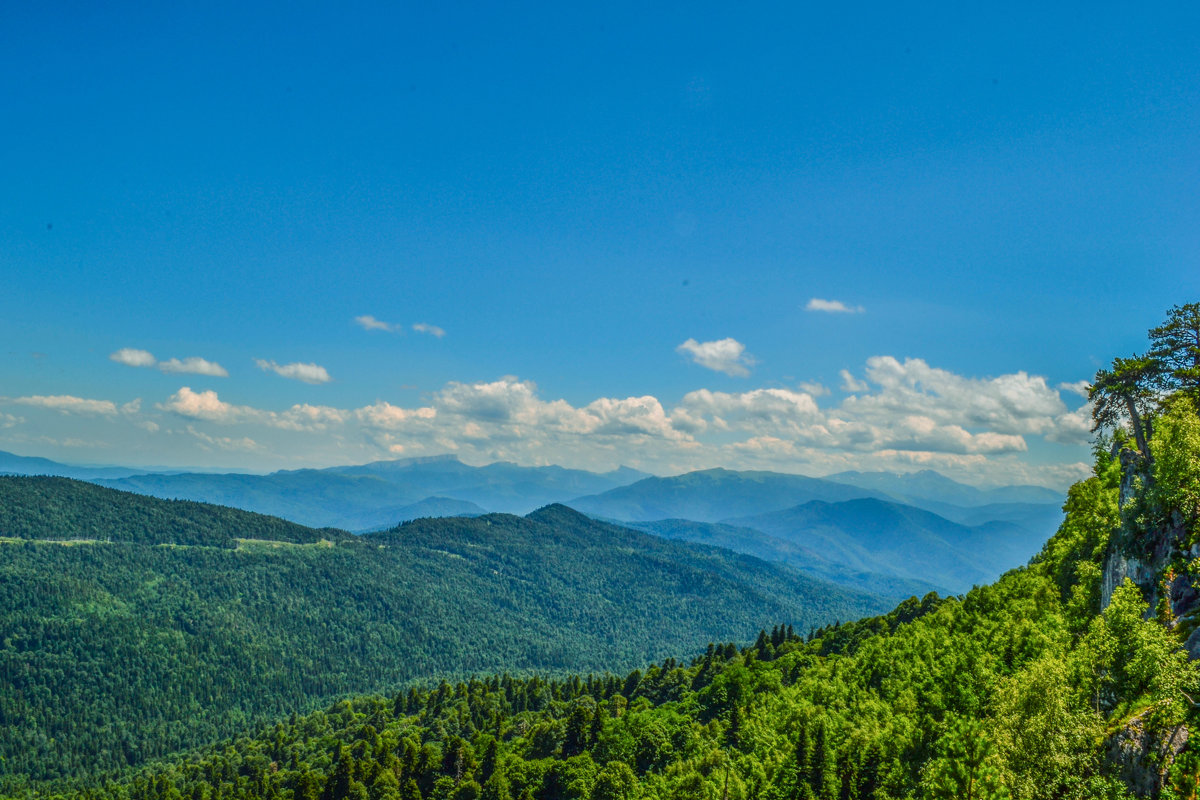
<point x="1067" y="678"/>
<point x="132" y="627"/>
<point x="64" y="509"/>
<point x="1023" y="689"/>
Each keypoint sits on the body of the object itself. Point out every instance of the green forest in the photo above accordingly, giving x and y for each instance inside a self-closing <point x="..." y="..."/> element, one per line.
<point x="132" y="627"/>
<point x="1067" y="678"/>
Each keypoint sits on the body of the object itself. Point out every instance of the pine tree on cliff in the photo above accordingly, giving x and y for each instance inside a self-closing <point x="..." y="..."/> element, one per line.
<point x="1126" y="392"/>
<point x="1176" y="347"/>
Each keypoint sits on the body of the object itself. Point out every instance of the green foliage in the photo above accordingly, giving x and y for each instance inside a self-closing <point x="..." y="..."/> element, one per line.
<point x="1176" y="346"/>
<point x="1137" y="658"/>
<point x="1005" y="692"/>
<point x="1176" y="448"/>
<point x="965" y="765"/>
<point x="180" y="623"/>
<point x="1073" y="555"/>
<point x="64" y="509"/>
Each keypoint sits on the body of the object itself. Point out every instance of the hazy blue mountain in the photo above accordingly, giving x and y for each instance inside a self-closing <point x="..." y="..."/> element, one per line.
<point x="429" y="507"/>
<point x="12" y="464"/>
<point x="928" y="485"/>
<point x="502" y="486"/>
<point x="773" y="548"/>
<point x="872" y="535"/>
<point x="380" y="494"/>
<point x="1034" y="516"/>
<point x="713" y="495"/>
<point x="309" y="497"/>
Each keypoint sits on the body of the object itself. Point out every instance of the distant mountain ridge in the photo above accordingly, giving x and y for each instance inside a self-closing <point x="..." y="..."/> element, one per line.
<point x="882" y="581"/>
<point x="713" y="495"/>
<point x="924" y="485"/>
<point x="880" y="536"/>
<point x="13" y="464"/>
<point x="383" y="493"/>
<point x="856" y="535"/>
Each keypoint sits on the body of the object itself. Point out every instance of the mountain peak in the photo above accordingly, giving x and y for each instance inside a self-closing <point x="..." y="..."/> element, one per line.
<point x="557" y="513"/>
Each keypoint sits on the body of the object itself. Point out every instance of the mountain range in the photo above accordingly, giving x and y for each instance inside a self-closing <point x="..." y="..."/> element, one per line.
<point x="131" y="627"/>
<point x="893" y="546"/>
<point x="377" y="495"/>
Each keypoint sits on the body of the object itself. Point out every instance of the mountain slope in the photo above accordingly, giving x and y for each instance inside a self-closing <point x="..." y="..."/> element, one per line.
<point x="180" y="622"/>
<point x="915" y="487"/>
<point x="810" y="562"/>
<point x="65" y="509"/>
<point x="712" y="495"/>
<point x="12" y="464"/>
<point x="367" y="521"/>
<point x="873" y="535"/>
<point x="1021" y="689"/>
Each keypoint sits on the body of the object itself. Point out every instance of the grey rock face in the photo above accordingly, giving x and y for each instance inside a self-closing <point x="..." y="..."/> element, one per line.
<point x="1140" y="757"/>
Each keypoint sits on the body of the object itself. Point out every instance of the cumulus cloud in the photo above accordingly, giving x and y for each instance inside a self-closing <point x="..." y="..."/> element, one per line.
<point x="243" y="443"/>
<point x="723" y="355"/>
<point x="851" y="383"/>
<point x="385" y="416"/>
<point x="67" y="404"/>
<point x="305" y="417"/>
<point x="307" y="373"/>
<point x="832" y="307"/>
<point x="1017" y="403"/>
<point x="1080" y="388"/>
<point x="903" y="415"/>
<point x="132" y="357"/>
<point x="193" y="366"/>
<point x="432" y="330"/>
<point x="369" y="323"/>
<point x="207" y="406"/>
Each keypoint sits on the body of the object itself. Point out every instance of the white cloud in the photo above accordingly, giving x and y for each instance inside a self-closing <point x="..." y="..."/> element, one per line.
<point x="207" y="406"/>
<point x="385" y="416"/>
<point x="771" y="405"/>
<point x="814" y="388"/>
<point x="369" y="323"/>
<point x="851" y="383"/>
<point x="902" y="415"/>
<point x="723" y="355"/>
<point x="9" y="421"/>
<point x="1076" y="387"/>
<point x="832" y="306"/>
<point x="1016" y="403"/>
<point x="228" y="443"/>
<point x="638" y="416"/>
<point x="67" y="404"/>
<point x="432" y="330"/>
<point x="193" y="366"/>
<point x="132" y="357"/>
<point x="308" y="373"/>
<point x="304" y="417"/>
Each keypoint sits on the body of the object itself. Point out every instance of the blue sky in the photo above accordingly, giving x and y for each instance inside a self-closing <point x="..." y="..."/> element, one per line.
<point x="1004" y="198"/>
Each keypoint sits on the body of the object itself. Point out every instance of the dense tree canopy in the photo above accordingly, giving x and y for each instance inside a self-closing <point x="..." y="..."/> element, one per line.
<point x="132" y="627"/>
